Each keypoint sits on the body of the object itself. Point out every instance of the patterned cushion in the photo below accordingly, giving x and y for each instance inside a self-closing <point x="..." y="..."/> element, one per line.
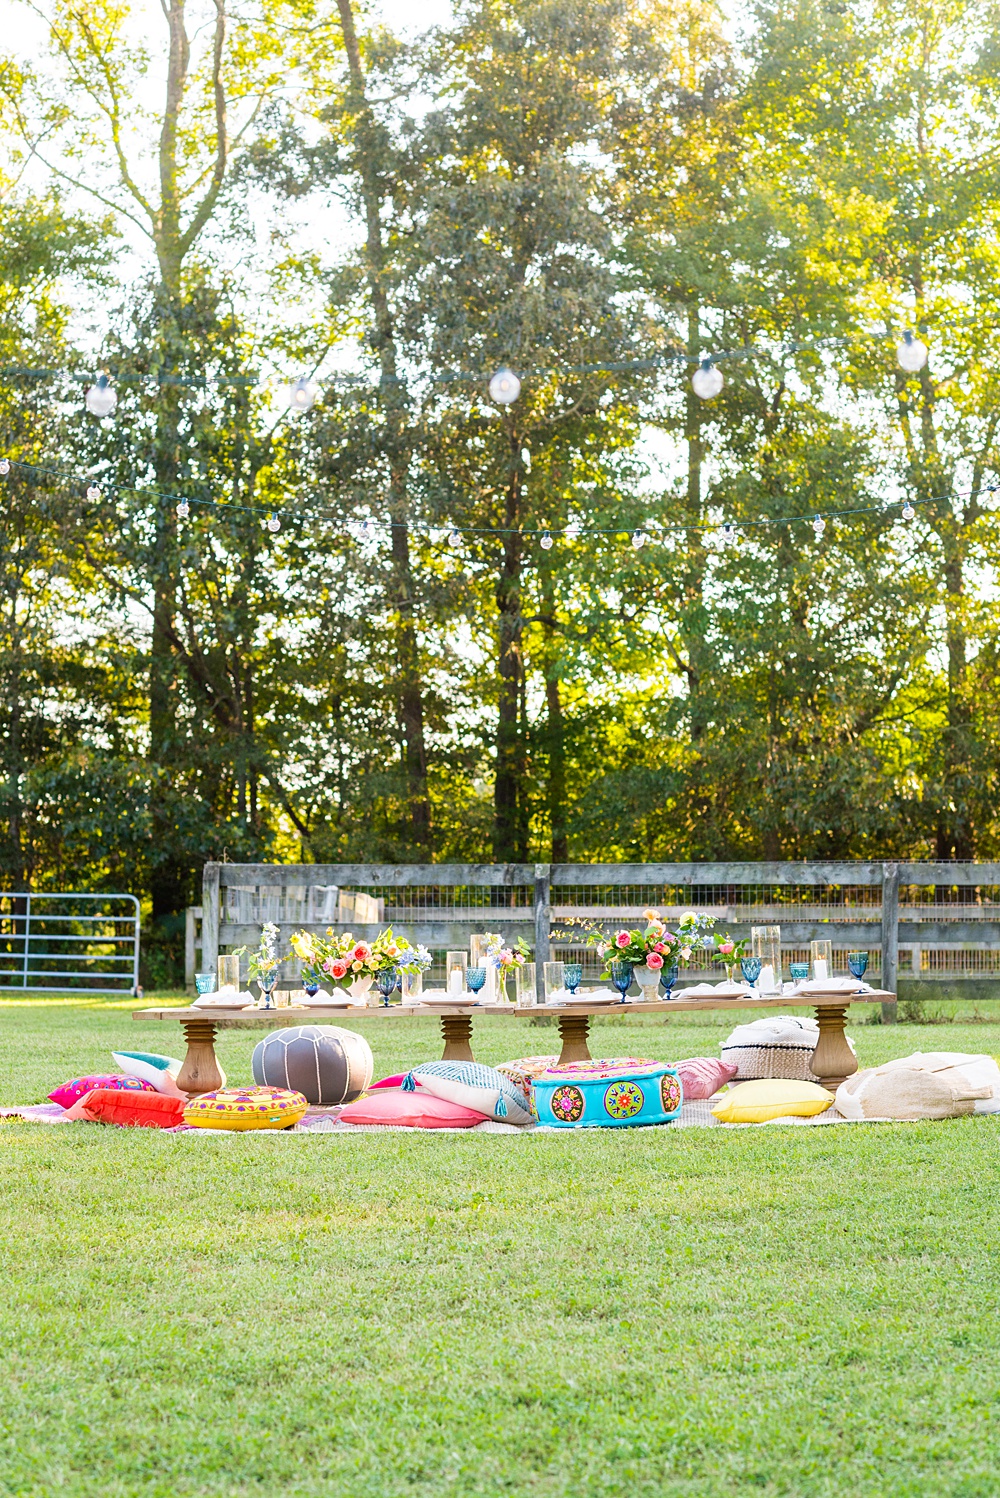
<point x="410" y="1110"/>
<point x="70" y="1092"/>
<point x="136" y="1110"/>
<point x="242" y="1108"/>
<point x="472" y="1085"/>
<point x="702" y="1076"/>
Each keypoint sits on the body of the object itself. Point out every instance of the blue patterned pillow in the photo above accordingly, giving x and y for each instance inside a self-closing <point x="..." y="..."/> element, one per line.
<point x="473" y="1085"/>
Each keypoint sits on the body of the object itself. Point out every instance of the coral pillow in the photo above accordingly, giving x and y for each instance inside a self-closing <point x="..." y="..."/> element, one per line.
<point x="756" y="1102"/>
<point x="410" y="1110"/>
<point x="702" y="1076"/>
<point x="396" y="1081"/>
<point x="160" y="1071"/>
<point x="137" y="1110"/>
<point x="71" y="1092"/>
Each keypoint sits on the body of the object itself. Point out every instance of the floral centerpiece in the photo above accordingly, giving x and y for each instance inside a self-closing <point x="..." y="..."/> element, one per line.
<point x="345" y="958"/>
<point x="654" y="945"/>
<point x="262" y="962"/>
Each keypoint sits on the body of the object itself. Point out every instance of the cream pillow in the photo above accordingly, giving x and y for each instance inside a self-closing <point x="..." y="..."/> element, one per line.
<point x="756" y="1102"/>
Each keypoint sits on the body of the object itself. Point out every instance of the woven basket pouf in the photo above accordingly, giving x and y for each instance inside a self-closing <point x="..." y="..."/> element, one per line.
<point x="326" y="1064"/>
<point x="785" y="1056"/>
<point x="607" y="1094"/>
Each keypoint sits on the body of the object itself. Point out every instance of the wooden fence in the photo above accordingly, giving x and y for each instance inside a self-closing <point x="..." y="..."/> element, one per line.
<point x="943" y="918"/>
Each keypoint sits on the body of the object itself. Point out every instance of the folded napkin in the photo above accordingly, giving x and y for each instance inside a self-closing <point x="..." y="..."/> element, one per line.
<point x="836" y="985"/>
<point x="224" y="1001"/>
<point x="725" y="990"/>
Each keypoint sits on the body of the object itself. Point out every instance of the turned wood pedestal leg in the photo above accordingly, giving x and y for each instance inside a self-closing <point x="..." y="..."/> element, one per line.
<point x="833" y="1060"/>
<point x="200" y="1072"/>
<point x="573" y="1034"/>
<point x="457" y="1032"/>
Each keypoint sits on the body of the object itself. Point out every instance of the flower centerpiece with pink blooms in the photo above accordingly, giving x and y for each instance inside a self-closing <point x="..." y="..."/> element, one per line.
<point x="351" y="960"/>
<point x="653" y="946"/>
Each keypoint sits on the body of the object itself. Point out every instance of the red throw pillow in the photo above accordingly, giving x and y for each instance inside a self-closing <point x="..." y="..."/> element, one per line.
<point x="702" y="1076"/>
<point x="137" y="1110"/>
<point x="69" y="1092"/>
<point x="413" y="1110"/>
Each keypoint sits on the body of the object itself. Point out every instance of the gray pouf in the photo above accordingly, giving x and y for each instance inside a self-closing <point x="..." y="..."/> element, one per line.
<point x="326" y="1064"/>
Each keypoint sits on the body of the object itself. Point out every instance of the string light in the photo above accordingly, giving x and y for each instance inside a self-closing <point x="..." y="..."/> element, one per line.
<point x="273" y="524"/>
<point x="183" y="509"/>
<point x="911" y="353"/>
<point x="707" y="380"/>
<point x="545" y="541"/>
<point x="4" y="465"/>
<point x="101" y="399"/>
<point x="302" y="395"/>
<point x="727" y="536"/>
<point x="909" y="513"/>
<point x="454" y="538"/>
<point x="504" y="387"/>
<point x="638" y="539"/>
<point x="93" y="491"/>
<point x="368" y="529"/>
<point x="819" y="526"/>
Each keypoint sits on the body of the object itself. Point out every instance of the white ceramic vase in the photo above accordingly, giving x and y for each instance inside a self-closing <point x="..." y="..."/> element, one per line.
<point x="648" y="979"/>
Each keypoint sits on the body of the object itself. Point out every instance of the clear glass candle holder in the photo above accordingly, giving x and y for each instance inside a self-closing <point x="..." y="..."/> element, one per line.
<point x="821" y="956"/>
<point x="552" y="978"/>
<point x="525" y="986"/>
<point x="455" y="967"/>
<point x="765" y="943"/>
<point x="413" y="987"/>
<point x="229" y="974"/>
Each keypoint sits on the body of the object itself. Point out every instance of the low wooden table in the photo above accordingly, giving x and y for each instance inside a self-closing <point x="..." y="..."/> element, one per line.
<point x="833" y="1060"/>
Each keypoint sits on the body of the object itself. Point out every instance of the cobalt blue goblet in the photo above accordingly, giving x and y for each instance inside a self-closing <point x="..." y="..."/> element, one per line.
<point x="385" y="981"/>
<point x="621" y="977"/>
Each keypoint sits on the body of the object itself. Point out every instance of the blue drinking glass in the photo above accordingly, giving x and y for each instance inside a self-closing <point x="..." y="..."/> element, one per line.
<point x="385" y="981"/>
<point x="475" y="977"/>
<point x="204" y="982"/>
<point x="799" y="971"/>
<point x="621" y="977"/>
<point x="572" y="975"/>
<point x="750" y="968"/>
<point x="857" y="962"/>
<point x="668" y="977"/>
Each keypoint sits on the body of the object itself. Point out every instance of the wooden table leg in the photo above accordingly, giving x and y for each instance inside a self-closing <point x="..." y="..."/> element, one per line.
<point x="573" y="1034"/>
<point x="833" y="1060"/>
<point x="457" y="1032"/>
<point x="200" y="1072"/>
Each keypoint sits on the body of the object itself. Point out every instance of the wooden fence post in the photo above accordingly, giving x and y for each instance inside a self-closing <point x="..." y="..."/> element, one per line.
<point x="210" y="917"/>
<point x="543" y="895"/>
<point x="890" y="936"/>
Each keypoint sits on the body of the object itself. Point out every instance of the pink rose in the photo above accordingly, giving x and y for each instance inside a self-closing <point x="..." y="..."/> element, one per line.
<point x="337" y="969"/>
<point x="726" y="947"/>
<point x="659" y="947"/>
<point x="362" y="952"/>
<point x="622" y="939"/>
<point x="654" y="960"/>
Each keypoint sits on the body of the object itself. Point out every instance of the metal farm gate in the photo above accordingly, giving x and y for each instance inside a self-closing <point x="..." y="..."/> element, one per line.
<point x="918" y="921"/>
<point x="69" y="943"/>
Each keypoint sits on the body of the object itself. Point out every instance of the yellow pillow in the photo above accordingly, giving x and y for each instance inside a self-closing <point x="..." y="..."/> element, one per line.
<point x="756" y="1102"/>
<point x="242" y="1108"/>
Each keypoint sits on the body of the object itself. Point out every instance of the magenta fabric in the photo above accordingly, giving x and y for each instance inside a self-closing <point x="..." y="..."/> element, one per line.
<point x="702" y="1076"/>
<point x="71" y="1092"/>
<point x="412" y="1110"/>
<point x="396" y="1081"/>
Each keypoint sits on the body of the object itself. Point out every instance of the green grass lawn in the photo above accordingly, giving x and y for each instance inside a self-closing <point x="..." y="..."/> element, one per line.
<point x="779" y="1311"/>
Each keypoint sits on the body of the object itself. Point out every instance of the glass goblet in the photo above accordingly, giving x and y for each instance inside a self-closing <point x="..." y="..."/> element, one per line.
<point x="621" y="977"/>
<point x="750" y="968"/>
<point x="385" y="981"/>
<point x="857" y="963"/>
<point x="668" y="977"/>
<point x="475" y="977"/>
<point x="266" y="984"/>
<point x="572" y="975"/>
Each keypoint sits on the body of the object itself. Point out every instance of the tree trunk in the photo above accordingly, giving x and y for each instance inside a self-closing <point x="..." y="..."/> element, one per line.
<point x="510" y="833"/>
<point x="955" y="831"/>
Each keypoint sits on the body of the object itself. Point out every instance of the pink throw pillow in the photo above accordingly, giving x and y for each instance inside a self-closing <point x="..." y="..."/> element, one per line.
<point x="412" y="1110"/>
<point x="396" y="1081"/>
<point x="702" y="1076"/>
<point x="71" y="1092"/>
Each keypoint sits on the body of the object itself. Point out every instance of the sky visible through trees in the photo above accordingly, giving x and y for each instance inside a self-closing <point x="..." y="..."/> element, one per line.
<point x="211" y="203"/>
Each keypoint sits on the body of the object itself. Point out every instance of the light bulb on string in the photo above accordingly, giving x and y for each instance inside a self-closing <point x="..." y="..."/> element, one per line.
<point x="545" y="541"/>
<point x="727" y="536"/>
<point x="93" y="491"/>
<point x="368" y="529"/>
<point x="819" y="526"/>
<point x="273" y="524"/>
<point x="707" y="380"/>
<point x="454" y="538"/>
<point x="4" y="465"/>
<point x="911" y="353"/>
<point x="638" y="539"/>
<point x="302" y="395"/>
<point x="101" y="399"/>
<point x="183" y="509"/>
<point x="908" y="512"/>
<point x="504" y="387"/>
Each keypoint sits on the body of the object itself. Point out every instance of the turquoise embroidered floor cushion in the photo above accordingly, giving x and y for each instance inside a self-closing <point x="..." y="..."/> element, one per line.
<point x="607" y="1094"/>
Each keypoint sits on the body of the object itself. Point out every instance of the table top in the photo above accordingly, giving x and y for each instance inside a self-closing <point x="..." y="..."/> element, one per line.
<point x="288" y="1016"/>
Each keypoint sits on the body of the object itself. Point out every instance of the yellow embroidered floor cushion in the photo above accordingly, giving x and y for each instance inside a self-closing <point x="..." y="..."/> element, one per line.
<point x="246" y="1108"/>
<point x="756" y="1102"/>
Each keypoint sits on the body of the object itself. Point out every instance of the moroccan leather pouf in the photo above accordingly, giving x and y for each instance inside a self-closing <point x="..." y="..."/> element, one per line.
<point x="326" y="1064"/>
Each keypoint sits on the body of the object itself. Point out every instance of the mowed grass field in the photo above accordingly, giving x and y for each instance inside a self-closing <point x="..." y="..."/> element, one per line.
<point x="772" y="1311"/>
